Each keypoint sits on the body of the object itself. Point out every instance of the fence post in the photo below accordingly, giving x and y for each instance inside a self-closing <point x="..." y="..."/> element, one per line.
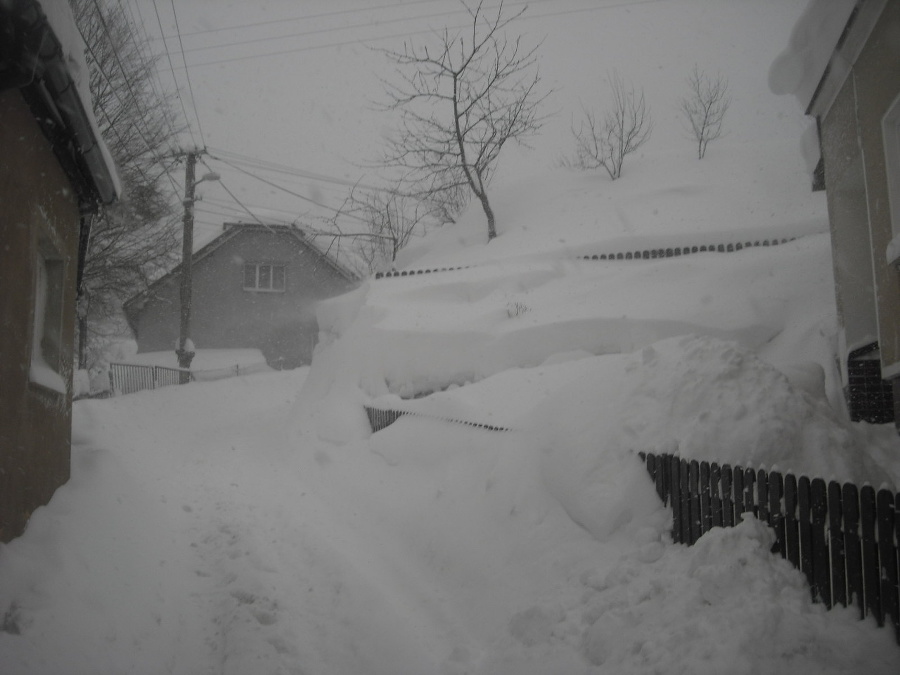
<point x="836" y="537"/>
<point x="694" y="500"/>
<point x="853" y="548"/>
<point x="805" y="532"/>
<point x="776" y="511"/>
<point x="705" y="515"/>
<point x="715" y="478"/>
<point x="867" y="515"/>
<point x="820" y="556"/>
<point x="685" y="502"/>
<point x="762" y="496"/>
<point x="791" y="526"/>
<point x="890" y="603"/>
<point x="674" y="468"/>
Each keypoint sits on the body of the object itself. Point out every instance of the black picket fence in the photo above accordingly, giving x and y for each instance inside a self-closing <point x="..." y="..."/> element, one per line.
<point x="412" y="273"/>
<point x="127" y="378"/>
<point x="379" y="418"/>
<point x="846" y="540"/>
<point x="676" y="251"/>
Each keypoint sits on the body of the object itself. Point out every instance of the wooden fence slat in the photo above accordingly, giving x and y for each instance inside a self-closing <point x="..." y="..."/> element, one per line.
<point x="705" y="514"/>
<point x="750" y="491"/>
<point x="853" y="548"/>
<point x="685" y="503"/>
<point x="738" y="494"/>
<point x="675" y="496"/>
<point x="897" y="556"/>
<point x="836" y="541"/>
<point x="694" y="476"/>
<point x="887" y="553"/>
<point x="762" y="496"/>
<point x="727" y="501"/>
<point x="791" y="527"/>
<point x="820" y="556"/>
<point x="662" y="479"/>
<point x="776" y="512"/>
<point x="805" y="524"/>
<point x="871" y="579"/>
<point x="715" y="499"/>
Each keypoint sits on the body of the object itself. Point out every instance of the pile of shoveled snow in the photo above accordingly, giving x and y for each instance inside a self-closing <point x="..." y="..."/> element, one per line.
<point x="704" y="399"/>
<point x="725" y="604"/>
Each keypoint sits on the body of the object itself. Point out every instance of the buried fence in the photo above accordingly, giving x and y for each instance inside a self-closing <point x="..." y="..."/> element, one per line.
<point x="126" y="378"/>
<point x="379" y="418"/>
<point x="846" y="540"/>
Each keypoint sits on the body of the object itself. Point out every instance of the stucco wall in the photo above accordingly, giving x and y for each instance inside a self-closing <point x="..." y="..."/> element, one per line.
<point x="224" y="315"/>
<point x="848" y="216"/>
<point x="39" y="208"/>
<point x="868" y="290"/>
<point x="877" y="79"/>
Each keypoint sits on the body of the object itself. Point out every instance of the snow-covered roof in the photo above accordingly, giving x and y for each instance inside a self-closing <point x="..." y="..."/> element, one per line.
<point x="56" y="64"/>
<point x="824" y="44"/>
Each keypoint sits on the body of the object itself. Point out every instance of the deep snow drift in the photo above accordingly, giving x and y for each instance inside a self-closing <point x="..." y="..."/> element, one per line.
<point x="256" y="525"/>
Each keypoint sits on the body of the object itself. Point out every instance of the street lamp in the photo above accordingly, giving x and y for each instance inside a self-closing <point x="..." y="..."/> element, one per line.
<point x="184" y="350"/>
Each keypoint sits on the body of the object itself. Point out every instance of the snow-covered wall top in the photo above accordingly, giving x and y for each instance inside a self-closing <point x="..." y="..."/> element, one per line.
<point x="799" y="68"/>
<point x="62" y="23"/>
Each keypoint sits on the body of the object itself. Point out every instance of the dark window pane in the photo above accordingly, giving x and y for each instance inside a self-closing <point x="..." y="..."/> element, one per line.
<point x="265" y="276"/>
<point x="249" y="276"/>
<point x="278" y="277"/>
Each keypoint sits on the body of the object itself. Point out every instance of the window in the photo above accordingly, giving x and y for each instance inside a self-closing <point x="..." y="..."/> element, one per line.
<point x="46" y="347"/>
<point x="890" y="129"/>
<point x="264" y="277"/>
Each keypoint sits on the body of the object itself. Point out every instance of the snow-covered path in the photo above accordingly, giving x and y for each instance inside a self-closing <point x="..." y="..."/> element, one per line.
<point x="204" y="532"/>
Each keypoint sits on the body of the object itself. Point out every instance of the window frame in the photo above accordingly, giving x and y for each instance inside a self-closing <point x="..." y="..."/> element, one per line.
<point x="268" y="271"/>
<point x="46" y="365"/>
<point x="890" y="134"/>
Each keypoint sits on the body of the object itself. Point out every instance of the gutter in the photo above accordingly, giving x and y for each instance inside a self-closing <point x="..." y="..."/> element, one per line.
<point x="32" y="60"/>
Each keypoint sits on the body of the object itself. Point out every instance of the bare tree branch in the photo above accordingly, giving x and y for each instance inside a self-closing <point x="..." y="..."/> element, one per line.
<point x="135" y="239"/>
<point x="461" y="100"/>
<point x="704" y="107"/>
<point x="625" y="127"/>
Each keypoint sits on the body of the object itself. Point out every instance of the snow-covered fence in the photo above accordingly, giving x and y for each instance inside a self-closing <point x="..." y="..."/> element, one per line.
<point x="676" y="251"/>
<point x="412" y="273"/>
<point x="845" y="539"/>
<point x="127" y="378"/>
<point x="379" y="418"/>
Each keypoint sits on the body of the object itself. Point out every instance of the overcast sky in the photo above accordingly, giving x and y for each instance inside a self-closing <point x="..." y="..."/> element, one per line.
<point x="297" y="83"/>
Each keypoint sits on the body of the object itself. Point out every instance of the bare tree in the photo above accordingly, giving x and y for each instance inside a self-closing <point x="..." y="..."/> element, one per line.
<point x="461" y="101"/>
<point x="704" y="107"/>
<point x="624" y="127"/>
<point x="132" y="240"/>
<point x="391" y="219"/>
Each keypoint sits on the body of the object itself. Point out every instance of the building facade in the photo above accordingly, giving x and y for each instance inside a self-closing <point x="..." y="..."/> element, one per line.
<point x="54" y="171"/>
<point x="253" y="286"/>
<point x="848" y="52"/>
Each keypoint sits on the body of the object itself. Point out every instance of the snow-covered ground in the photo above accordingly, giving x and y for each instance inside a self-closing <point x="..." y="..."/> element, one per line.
<point x="256" y="525"/>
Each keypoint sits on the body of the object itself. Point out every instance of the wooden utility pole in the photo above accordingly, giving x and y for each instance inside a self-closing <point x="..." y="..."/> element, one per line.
<point x="185" y="347"/>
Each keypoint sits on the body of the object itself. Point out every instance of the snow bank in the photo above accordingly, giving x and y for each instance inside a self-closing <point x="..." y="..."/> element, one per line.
<point x="643" y="615"/>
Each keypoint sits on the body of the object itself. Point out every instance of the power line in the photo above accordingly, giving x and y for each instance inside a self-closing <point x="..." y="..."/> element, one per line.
<point x="379" y="38"/>
<point x="172" y="67"/>
<point x="318" y="31"/>
<point x="148" y="57"/>
<point x="187" y="74"/>
<point x="274" y="167"/>
<point x="134" y="98"/>
<point x="288" y="191"/>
